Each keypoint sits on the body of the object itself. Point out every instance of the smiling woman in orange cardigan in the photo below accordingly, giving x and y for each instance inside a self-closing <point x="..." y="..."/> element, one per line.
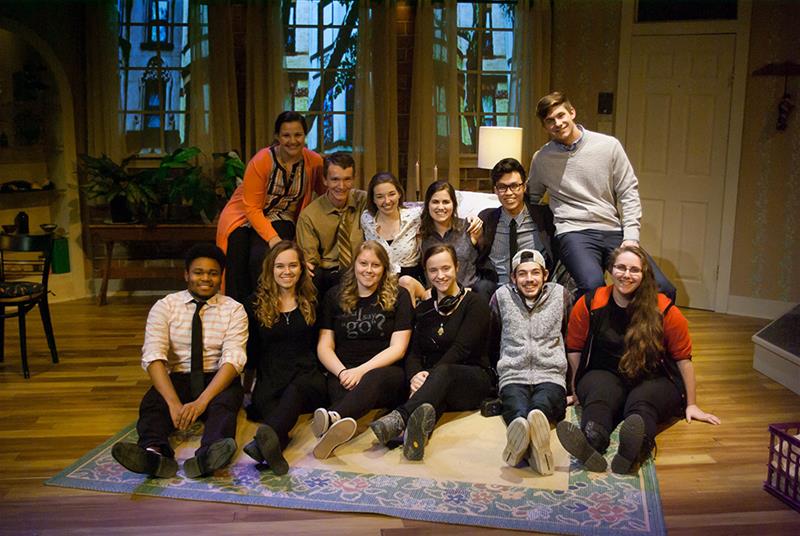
<point x="278" y="183"/>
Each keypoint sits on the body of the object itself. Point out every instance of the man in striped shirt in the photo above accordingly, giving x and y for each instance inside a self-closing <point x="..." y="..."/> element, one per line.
<point x="194" y="351"/>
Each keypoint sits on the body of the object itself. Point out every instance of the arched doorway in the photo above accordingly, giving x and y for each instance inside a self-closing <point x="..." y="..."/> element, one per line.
<point x="49" y="153"/>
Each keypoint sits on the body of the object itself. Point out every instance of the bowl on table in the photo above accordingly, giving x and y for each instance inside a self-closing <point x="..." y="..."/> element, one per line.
<point x="9" y="229"/>
<point x="48" y="227"/>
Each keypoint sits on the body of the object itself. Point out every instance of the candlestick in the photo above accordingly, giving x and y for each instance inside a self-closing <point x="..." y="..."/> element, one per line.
<point x="416" y="181"/>
<point x="435" y="173"/>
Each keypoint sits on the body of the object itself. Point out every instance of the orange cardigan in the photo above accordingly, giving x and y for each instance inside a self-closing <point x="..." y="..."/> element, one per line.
<point x="248" y="201"/>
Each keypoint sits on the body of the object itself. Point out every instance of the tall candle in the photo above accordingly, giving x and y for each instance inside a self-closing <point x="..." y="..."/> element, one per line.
<point x="435" y="173"/>
<point x="416" y="181"/>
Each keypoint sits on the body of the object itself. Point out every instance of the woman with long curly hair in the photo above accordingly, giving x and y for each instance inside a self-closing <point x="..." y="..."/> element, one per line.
<point x="630" y="353"/>
<point x="365" y="328"/>
<point x="282" y="350"/>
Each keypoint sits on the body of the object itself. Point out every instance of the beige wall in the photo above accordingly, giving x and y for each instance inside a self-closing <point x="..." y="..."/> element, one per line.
<point x="585" y="53"/>
<point x="766" y="250"/>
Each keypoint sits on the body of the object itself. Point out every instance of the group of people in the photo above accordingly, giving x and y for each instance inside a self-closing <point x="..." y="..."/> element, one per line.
<point x="353" y="301"/>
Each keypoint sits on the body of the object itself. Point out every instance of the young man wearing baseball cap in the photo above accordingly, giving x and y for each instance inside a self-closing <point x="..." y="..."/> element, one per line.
<point x="527" y="344"/>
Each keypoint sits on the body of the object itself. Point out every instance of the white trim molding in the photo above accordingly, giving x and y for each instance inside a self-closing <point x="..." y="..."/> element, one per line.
<point x="757" y="307"/>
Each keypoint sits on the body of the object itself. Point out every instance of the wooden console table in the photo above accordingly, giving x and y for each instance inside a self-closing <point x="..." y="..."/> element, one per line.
<point x="109" y="233"/>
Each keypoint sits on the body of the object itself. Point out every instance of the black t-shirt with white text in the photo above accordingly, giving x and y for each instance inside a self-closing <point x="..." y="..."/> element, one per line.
<point x="368" y="329"/>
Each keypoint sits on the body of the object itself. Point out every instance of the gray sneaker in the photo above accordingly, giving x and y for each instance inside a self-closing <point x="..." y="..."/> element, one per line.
<point x="517" y="441"/>
<point x="388" y="427"/>
<point x="419" y="428"/>
<point x="541" y="457"/>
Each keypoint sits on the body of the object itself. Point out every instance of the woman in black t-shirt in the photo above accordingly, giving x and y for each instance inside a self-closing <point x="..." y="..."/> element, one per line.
<point x="282" y="350"/>
<point x="364" y="332"/>
<point x="447" y="366"/>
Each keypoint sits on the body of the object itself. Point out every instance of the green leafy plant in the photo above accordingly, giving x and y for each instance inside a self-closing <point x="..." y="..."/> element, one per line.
<point x="185" y="183"/>
<point x="112" y="182"/>
<point x="232" y="174"/>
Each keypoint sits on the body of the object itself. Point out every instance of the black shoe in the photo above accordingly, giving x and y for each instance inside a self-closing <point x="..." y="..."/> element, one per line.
<point x="140" y="460"/>
<point x="270" y="448"/>
<point x="573" y="440"/>
<point x="216" y="456"/>
<point x="251" y="449"/>
<point x="631" y="438"/>
<point x="419" y="427"/>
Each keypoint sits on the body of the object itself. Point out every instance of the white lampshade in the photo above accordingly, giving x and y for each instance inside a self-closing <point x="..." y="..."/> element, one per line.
<point x="496" y="143"/>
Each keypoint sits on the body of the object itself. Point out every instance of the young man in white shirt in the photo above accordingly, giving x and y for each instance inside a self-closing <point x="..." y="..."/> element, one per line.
<point x="194" y="351"/>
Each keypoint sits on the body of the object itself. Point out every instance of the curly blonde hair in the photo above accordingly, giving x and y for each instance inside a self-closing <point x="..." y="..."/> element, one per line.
<point x="387" y="287"/>
<point x="266" y="299"/>
<point x="644" y="338"/>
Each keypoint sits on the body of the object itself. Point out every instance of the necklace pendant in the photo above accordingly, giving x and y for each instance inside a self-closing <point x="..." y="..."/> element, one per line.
<point x="440" y="331"/>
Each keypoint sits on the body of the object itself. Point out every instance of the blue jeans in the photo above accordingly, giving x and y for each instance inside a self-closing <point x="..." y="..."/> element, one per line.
<point x="586" y="253"/>
<point x="519" y="399"/>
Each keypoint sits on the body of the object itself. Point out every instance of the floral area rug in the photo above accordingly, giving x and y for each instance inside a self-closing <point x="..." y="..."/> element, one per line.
<point x="462" y="480"/>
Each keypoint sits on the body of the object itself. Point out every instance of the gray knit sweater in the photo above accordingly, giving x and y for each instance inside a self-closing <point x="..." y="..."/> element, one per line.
<point x="587" y="184"/>
<point x="531" y="340"/>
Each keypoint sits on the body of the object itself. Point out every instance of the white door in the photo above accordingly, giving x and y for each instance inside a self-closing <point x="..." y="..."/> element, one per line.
<point x="676" y="138"/>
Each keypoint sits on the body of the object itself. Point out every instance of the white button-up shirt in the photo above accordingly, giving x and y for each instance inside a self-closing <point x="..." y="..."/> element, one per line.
<point x="168" y="335"/>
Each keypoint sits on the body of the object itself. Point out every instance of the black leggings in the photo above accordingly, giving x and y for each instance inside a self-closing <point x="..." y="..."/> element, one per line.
<point x="304" y="394"/>
<point x="450" y="387"/>
<point x="378" y="388"/>
<point x="607" y="400"/>
<point x="245" y="257"/>
<point x="155" y="423"/>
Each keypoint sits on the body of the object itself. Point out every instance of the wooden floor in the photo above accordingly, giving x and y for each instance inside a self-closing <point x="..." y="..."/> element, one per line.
<point x="711" y="477"/>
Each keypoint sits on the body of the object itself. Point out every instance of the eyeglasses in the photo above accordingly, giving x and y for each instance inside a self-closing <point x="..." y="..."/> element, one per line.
<point x="503" y="188"/>
<point x="621" y="269"/>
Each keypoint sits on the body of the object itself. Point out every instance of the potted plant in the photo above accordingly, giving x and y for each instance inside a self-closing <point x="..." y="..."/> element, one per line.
<point x="130" y="195"/>
<point x="187" y="191"/>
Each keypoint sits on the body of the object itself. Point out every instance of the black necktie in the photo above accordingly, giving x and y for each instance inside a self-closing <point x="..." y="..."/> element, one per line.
<point x="512" y="240"/>
<point x="197" y="378"/>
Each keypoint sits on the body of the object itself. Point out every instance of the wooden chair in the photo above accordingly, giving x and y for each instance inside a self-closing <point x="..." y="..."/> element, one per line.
<point x="21" y="295"/>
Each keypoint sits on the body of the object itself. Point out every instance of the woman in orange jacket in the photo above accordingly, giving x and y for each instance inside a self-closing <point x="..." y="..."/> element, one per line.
<point x="278" y="183"/>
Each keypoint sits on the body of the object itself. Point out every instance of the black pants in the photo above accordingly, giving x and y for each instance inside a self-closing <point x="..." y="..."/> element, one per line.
<point x="607" y="400"/>
<point x="450" y="387"/>
<point x="379" y="388"/>
<point x="155" y="423"/>
<point x="519" y="400"/>
<point x="304" y="394"/>
<point x="325" y="279"/>
<point x="245" y="258"/>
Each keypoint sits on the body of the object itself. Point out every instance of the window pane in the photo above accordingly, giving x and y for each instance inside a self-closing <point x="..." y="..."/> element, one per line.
<point x="494" y="93"/>
<point x="339" y="91"/>
<point x="498" y="48"/>
<point x="500" y="16"/>
<point x="467" y="14"/>
<point x="468" y="91"/>
<point x="304" y="12"/>
<point x="299" y="83"/>
<point x="335" y="13"/>
<point x="467" y="50"/>
<point x="305" y="54"/>
<point x="338" y="132"/>
<point x="469" y="133"/>
<point x="312" y="139"/>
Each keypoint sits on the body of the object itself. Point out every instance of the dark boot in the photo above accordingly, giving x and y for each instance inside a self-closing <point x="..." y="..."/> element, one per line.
<point x="574" y="441"/>
<point x="631" y="439"/>
<point x="597" y="436"/>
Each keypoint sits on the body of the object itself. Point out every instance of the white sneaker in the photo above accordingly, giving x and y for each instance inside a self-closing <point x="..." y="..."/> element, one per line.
<point x="323" y="419"/>
<point x="517" y="441"/>
<point x="541" y="457"/>
<point x="340" y="432"/>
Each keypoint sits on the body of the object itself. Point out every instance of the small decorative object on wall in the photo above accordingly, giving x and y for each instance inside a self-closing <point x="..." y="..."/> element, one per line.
<point x="786" y="104"/>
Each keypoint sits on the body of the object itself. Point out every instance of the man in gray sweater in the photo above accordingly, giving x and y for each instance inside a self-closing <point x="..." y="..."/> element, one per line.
<point x="527" y="345"/>
<point x="594" y="194"/>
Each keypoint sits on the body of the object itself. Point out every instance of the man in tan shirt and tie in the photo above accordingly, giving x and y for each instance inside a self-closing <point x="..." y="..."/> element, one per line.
<point x="329" y="227"/>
